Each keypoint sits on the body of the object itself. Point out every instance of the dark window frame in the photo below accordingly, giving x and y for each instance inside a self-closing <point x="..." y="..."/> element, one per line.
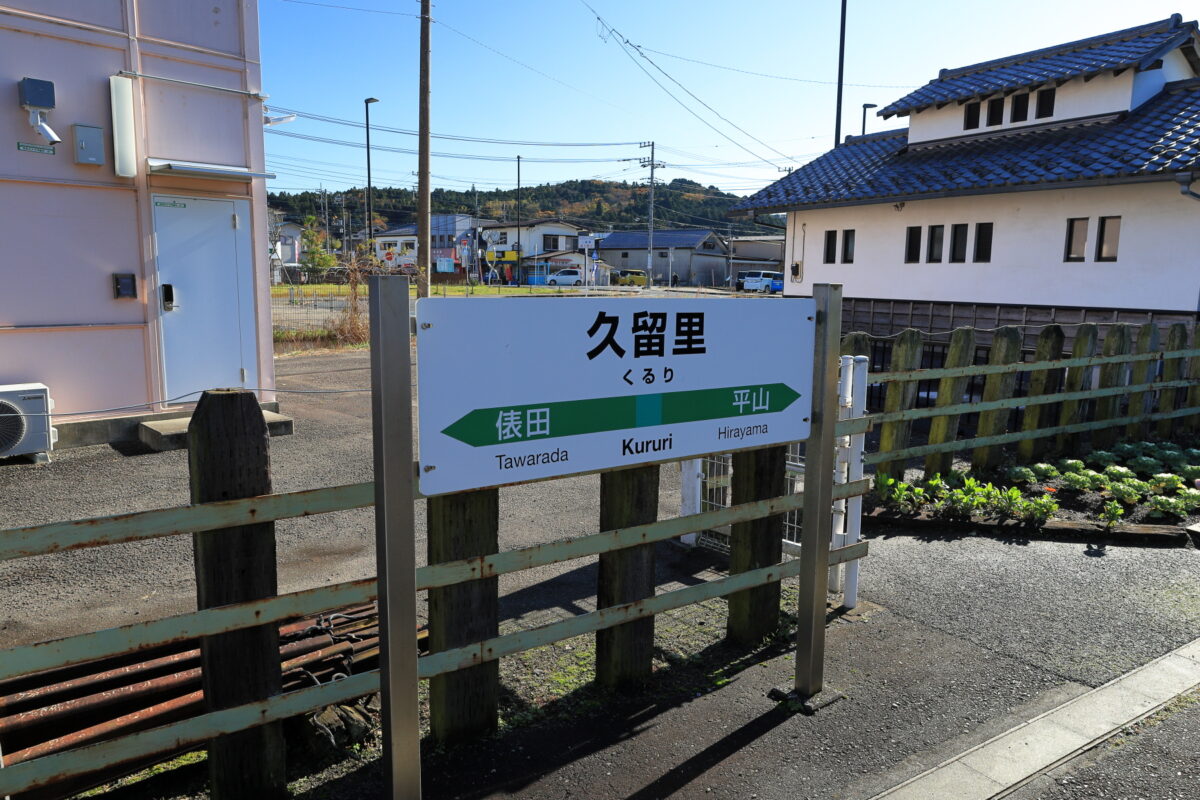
<point x="1019" y="108"/>
<point x="830" y="254"/>
<point x="1102" y="228"/>
<point x="933" y="256"/>
<point x="1071" y="224"/>
<point x="848" y="246"/>
<point x="549" y="242"/>
<point x="1045" y="103"/>
<point x="912" y="244"/>
<point x="959" y="232"/>
<point x="971" y="116"/>
<point x="995" y="112"/>
<point x="981" y="252"/>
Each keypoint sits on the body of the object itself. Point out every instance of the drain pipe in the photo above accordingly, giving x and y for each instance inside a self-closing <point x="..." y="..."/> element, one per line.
<point x="1184" y="179"/>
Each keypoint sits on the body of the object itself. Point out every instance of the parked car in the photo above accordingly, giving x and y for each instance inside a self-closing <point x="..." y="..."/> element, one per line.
<point x="740" y="285"/>
<point x="630" y="277"/>
<point x="565" y="277"/>
<point x="776" y="282"/>
<point x="337" y="275"/>
<point x="754" y="280"/>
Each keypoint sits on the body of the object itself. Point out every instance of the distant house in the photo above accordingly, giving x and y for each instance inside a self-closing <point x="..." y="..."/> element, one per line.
<point x="290" y="245"/>
<point x="453" y="236"/>
<point x="697" y="257"/>
<point x="514" y="250"/>
<point x="758" y="252"/>
<point x="1053" y="185"/>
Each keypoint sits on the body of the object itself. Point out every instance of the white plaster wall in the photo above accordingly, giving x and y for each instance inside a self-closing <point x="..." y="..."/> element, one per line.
<point x="1103" y="94"/>
<point x="1158" y="264"/>
<point x="1149" y="83"/>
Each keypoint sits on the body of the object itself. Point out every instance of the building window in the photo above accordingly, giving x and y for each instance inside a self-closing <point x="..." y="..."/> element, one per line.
<point x="958" y="243"/>
<point x="830" y="247"/>
<point x="549" y="242"/>
<point x="1045" y="103"/>
<point x="709" y="245"/>
<point x="971" y="116"/>
<point x="572" y="243"/>
<point x="995" y="111"/>
<point x="912" y="245"/>
<point x="662" y="253"/>
<point x="625" y="254"/>
<point x="1108" y="237"/>
<point x="933" y="254"/>
<point x="1020" y="108"/>
<point x="848" y="247"/>
<point x="1076" y="248"/>
<point x="983" y="242"/>
<point x="502" y="237"/>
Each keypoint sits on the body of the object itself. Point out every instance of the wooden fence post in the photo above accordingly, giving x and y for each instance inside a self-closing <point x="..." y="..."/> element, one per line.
<point x="463" y="704"/>
<point x="961" y="353"/>
<point x="856" y="343"/>
<point x="1042" y="382"/>
<point x="1192" y="423"/>
<point x="624" y="653"/>
<point x="1142" y="372"/>
<point x="1078" y="379"/>
<point x="1006" y="349"/>
<point x="757" y="475"/>
<point x="906" y="356"/>
<point x="1118" y="341"/>
<point x="229" y="458"/>
<point x="1174" y="369"/>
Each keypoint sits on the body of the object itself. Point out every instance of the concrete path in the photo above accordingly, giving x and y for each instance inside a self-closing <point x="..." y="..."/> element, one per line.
<point x="1010" y="760"/>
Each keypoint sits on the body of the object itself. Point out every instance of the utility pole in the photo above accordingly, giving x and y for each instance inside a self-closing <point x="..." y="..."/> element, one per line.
<point x="729" y="258"/>
<point x="423" y="238"/>
<point x="651" y="163"/>
<point x="837" y="123"/>
<point x="475" y="265"/>
<point x="517" y="272"/>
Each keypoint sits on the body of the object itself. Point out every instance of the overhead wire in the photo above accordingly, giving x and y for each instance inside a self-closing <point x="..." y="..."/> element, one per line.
<point x="466" y="156"/>
<point x="780" y="77"/>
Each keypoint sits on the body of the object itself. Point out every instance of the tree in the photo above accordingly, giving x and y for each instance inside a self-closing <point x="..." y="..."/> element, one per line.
<point x="315" y="259"/>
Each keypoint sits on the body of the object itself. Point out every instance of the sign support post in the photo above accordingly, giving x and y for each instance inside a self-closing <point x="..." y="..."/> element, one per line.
<point x="391" y="412"/>
<point x="819" y="454"/>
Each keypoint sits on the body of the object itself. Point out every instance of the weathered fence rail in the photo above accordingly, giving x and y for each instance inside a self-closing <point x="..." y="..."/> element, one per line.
<point x="218" y="517"/>
<point x="1132" y="387"/>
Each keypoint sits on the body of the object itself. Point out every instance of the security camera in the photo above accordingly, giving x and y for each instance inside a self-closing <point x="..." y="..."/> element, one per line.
<point x="37" y="97"/>
<point x="37" y="118"/>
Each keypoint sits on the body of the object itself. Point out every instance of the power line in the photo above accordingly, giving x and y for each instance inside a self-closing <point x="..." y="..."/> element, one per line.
<point x="467" y="156"/>
<point x="450" y="137"/>
<point x="779" y="77"/>
<point x="625" y="44"/>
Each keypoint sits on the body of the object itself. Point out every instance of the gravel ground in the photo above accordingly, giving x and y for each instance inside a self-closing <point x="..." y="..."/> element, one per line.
<point x="962" y="636"/>
<point x="1154" y="759"/>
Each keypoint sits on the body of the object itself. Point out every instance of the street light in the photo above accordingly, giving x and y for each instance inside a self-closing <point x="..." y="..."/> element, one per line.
<point x="864" y="125"/>
<point x="370" y="198"/>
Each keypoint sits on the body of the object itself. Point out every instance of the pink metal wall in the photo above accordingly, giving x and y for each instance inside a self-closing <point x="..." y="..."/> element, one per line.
<point x="66" y="228"/>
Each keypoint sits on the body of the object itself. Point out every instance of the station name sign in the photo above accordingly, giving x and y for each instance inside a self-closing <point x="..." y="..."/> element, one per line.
<point x="519" y="389"/>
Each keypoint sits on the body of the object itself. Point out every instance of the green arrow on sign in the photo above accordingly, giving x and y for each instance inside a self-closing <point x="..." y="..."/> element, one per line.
<point x="510" y="424"/>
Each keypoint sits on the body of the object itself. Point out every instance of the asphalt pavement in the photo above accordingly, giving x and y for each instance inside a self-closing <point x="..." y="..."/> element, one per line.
<point x="964" y="636"/>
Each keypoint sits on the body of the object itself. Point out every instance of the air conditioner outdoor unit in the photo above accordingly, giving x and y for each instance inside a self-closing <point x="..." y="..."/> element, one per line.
<point x="25" y="421"/>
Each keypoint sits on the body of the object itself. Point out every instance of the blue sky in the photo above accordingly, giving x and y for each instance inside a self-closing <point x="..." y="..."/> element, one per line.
<point x="575" y="82"/>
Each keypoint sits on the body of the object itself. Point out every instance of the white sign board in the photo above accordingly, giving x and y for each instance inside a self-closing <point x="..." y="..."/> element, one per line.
<point x="517" y="389"/>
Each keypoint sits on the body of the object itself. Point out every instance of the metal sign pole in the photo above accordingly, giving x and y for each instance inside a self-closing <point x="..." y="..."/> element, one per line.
<point x="395" y="556"/>
<point x="819" y="453"/>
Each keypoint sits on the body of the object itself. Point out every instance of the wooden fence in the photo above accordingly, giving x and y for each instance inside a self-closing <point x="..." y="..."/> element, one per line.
<point x="225" y="442"/>
<point x="1134" y="384"/>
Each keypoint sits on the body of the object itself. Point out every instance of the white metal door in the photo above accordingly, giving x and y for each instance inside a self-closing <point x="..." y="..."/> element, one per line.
<point x="205" y="294"/>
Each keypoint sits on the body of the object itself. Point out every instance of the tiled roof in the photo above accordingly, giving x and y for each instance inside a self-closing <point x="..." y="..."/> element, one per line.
<point x="637" y="240"/>
<point x="1134" y="47"/>
<point x="1161" y="137"/>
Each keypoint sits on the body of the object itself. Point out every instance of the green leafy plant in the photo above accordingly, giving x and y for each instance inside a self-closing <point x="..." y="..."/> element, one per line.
<point x="1006" y="502"/>
<point x="1144" y="465"/>
<point x="1190" y="498"/>
<point x="1102" y="458"/>
<point x="1098" y="480"/>
<point x="1020" y="475"/>
<point x="1125" y="493"/>
<point x="1192" y="455"/>
<point x="1071" y="465"/>
<point x="1174" y="459"/>
<point x="1161" y="506"/>
<point x="1165" y="483"/>
<point x="1128" y="450"/>
<point x="963" y="503"/>
<point x="936" y="488"/>
<point x="1038" y="510"/>
<point x="1111" y="513"/>
<point x="1190" y="473"/>
<point x="1046" y="472"/>
<point x="1076" y="482"/>
<point x="912" y="499"/>
<point x="1115" y="472"/>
